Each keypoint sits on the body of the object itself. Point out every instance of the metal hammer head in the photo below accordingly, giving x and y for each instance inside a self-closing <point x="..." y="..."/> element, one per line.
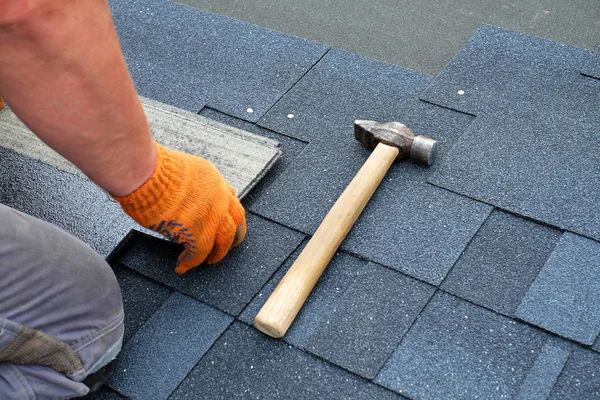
<point x="418" y="148"/>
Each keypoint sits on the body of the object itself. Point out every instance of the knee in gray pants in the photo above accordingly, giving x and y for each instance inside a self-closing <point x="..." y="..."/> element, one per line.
<point x="53" y="285"/>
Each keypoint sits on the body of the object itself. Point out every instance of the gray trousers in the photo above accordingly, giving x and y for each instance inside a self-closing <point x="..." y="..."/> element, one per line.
<point x="61" y="313"/>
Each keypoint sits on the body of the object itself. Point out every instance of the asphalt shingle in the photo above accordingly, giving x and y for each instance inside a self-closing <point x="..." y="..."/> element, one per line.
<point x="356" y="315"/>
<point x="69" y="201"/>
<point x="546" y="167"/>
<point x="545" y="371"/>
<point x="104" y="394"/>
<point x="565" y="296"/>
<point x="499" y="70"/>
<point x="142" y="297"/>
<point x="592" y="67"/>
<point x="341" y="88"/>
<point x="244" y="364"/>
<point x="165" y="350"/>
<point x="580" y="378"/>
<point x="190" y="58"/>
<point x="291" y="148"/>
<point x="501" y="262"/>
<point x="228" y="285"/>
<point x="537" y="117"/>
<point x="459" y="350"/>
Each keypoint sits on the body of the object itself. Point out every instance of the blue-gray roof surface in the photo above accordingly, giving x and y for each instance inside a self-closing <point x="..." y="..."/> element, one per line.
<point x="475" y="278"/>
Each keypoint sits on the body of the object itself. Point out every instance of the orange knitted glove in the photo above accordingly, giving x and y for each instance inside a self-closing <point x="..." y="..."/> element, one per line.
<point x="1" y="103"/>
<point x="187" y="200"/>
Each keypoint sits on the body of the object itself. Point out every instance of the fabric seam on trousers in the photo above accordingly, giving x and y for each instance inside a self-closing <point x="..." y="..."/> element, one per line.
<point x="22" y="381"/>
<point x="91" y="338"/>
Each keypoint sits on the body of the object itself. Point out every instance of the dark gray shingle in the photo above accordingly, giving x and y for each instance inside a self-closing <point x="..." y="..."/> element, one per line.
<point x="499" y="70"/>
<point x="291" y="148"/>
<point x="545" y="371"/>
<point x="592" y="67"/>
<point x="356" y="315"/>
<point x="190" y="58"/>
<point x="245" y="364"/>
<point x="228" y="285"/>
<point x="459" y="350"/>
<point x="580" y="378"/>
<point x="501" y="262"/>
<point x="165" y="350"/>
<point x="565" y="296"/>
<point x="409" y="225"/>
<point x="141" y="298"/>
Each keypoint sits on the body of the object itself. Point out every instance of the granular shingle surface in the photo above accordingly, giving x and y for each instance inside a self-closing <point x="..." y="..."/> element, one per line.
<point x="501" y="262"/>
<point x="341" y="88"/>
<point x="565" y="296"/>
<point x="543" y="166"/>
<point x="499" y="70"/>
<point x="141" y="298"/>
<point x="355" y="316"/>
<point x="66" y="200"/>
<point x="104" y="394"/>
<point x="545" y="371"/>
<point x="459" y="350"/>
<point x="517" y="122"/>
<point x="228" y="285"/>
<point x="190" y="58"/>
<point x="580" y="378"/>
<point x="592" y="67"/>
<point x="271" y="369"/>
<point x="164" y="351"/>
<point x="291" y="148"/>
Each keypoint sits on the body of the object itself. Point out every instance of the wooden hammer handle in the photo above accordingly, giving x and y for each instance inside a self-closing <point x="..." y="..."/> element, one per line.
<point x="278" y="313"/>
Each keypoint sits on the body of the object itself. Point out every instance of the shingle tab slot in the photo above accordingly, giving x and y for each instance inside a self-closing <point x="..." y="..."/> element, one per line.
<point x="565" y="297"/>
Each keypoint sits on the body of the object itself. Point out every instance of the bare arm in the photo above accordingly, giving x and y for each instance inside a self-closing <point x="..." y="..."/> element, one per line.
<point x="62" y="72"/>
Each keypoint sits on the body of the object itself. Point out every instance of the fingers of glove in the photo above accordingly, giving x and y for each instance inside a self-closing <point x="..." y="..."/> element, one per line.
<point x="236" y="210"/>
<point x="1" y="103"/>
<point x="240" y="234"/>
<point x="191" y="258"/>
<point x="223" y="240"/>
<point x="195" y="253"/>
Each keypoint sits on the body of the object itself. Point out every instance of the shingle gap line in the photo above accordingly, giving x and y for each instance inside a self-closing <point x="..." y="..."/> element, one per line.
<point x="207" y="107"/>
<point x="318" y="357"/>
<point x="204" y="355"/>
<point x="293" y="86"/>
<point x="465" y="248"/>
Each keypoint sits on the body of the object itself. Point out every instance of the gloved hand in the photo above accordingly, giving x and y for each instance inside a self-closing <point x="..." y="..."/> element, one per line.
<point x="1" y="103"/>
<point x="187" y="200"/>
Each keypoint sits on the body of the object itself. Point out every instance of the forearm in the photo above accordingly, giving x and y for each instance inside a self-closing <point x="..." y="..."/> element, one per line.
<point x="63" y="74"/>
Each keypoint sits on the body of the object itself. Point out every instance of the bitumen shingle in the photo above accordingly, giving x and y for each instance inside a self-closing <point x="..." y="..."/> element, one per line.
<point x="459" y="350"/>
<point x="458" y="281"/>
<point x="545" y="371"/>
<point x="291" y="148"/>
<point x="228" y="285"/>
<point x="69" y="201"/>
<point x="271" y="369"/>
<point x="141" y="298"/>
<point x="500" y="70"/>
<point x="533" y="148"/>
<point x="580" y="378"/>
<point x="592" y="67"/>
<point x="357" y="314"/>
<point x="501" y="262"/>
<point x="191" y="58"/>
<point x="564" y="297"/>
<point x="166" y="348"/>
<point x="343" y="87"/>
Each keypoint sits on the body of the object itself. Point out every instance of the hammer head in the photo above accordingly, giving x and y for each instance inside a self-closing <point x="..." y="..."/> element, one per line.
<point x="418" y="148"/>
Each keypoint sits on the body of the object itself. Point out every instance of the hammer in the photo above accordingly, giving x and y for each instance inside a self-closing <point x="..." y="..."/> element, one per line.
<point x="392" y="141"/>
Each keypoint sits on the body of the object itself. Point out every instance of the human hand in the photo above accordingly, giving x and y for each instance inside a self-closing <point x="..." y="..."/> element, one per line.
<point x="188" y="201"/>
